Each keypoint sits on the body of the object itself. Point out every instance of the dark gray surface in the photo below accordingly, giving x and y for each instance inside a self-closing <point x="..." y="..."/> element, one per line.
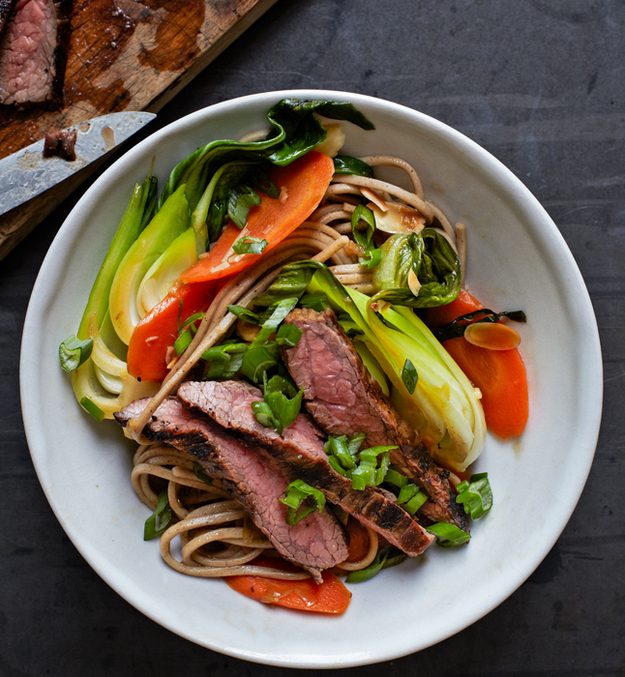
<point x="540" y="84"/>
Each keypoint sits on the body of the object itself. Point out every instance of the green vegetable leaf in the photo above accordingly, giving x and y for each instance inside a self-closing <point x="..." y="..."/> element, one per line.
<point x="159" y="520"/>
<point x="344" y="164"/>
<point x="300" y="131"/>
<point x="369" y="572"/>
<point x="430" y="257"/>
<point x="241" y="200"/>
<point x="363" y="235"/>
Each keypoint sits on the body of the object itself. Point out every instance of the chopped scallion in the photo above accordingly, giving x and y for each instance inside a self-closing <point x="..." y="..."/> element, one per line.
<point x="73" y="352"/>
<point x="448" y="534"/>
<point x="288" y="335"/>
<point x="159" y="520"/>
<point x="476" y="495"/>
<point x="92" y="408"/>
<point x="301" y="500"/>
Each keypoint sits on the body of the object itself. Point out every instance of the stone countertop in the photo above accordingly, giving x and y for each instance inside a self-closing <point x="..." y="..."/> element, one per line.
<point x="540" y="85"/>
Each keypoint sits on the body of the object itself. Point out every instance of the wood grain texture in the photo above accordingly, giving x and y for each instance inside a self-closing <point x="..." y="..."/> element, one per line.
<point x="123" y="55"/>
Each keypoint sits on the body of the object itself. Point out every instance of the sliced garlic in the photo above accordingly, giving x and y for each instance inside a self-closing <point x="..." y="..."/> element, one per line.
<point x="398" y="218"/>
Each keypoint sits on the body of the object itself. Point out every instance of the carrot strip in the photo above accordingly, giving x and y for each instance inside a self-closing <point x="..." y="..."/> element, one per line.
<point x="302" y="185"/>
<point x="499" y="374"/>
<point x="328" y="597"/>
<point x="158" y="330"/>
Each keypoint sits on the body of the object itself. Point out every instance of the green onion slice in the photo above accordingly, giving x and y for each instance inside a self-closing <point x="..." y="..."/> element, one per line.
<point x="159" y="520"/>
<point x="265" y="416"/>
<point x="288" y="335"/>
<point x="301" y="500"/>
<point x="278" y="312"/>
<point x="476" y="495"/>
<point x="92" y="408"/>
<point x="73" y="352"/>
<point x="284" y="399"/>
<point x="448" y="534"/>
<point x="183" y="342"/>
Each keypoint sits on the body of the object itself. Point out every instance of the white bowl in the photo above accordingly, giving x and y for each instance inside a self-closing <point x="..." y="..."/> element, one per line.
<point x="517" y="259"/>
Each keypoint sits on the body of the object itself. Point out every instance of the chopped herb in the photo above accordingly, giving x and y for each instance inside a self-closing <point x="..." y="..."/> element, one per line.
<point x="159" y="520"/>
<point x="409" y="376"/>
<point x="249" y="245"/>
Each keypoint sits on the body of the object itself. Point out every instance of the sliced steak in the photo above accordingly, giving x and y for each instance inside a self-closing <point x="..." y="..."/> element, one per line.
<point x="300" y="446"/>
<point x="33" y="52"/>
<point x="344" y="400"/>
<point x="253" y="477"/>
<point x="5" y="9"/>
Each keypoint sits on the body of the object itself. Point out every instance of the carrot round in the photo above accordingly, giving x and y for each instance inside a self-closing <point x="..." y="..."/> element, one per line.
<point x="499" y="374"/>
<point x="328" y="597"/>
<point x="156" y="333"/>
<point x="302" y="185"/>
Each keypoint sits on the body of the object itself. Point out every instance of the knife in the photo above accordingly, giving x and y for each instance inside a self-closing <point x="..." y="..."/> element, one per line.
<point x="27" y="173"/>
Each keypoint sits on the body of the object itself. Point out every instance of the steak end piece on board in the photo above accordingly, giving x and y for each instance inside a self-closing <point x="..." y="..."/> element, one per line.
<point x="33" y="53"/>
<point x="344" y="400"/>
<point x="300" y="450"/>
<point x="252" y="477"/>
<point x="5" y="10"/>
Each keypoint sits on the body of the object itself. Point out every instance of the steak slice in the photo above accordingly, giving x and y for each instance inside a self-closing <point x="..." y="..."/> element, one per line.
<point x="344" y="400"/>
<point x="301" y="448"/>
<point x="251" y="476"/>
<point x="33" y="53"/>
<point x="5" y="9"/>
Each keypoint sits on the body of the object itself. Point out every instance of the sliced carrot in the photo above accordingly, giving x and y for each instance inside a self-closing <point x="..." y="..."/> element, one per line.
<point x="158" y="330"/>
<point x="302" y="185"/>
<point x="358" y="540"/>
<point x="499" y="374"/>
<point x="328" y="597"/>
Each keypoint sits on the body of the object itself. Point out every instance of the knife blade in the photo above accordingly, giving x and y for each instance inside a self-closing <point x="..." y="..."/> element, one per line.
<point x="27" y="173"/>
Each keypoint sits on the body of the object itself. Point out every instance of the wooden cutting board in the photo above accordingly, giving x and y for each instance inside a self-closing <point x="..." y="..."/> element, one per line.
<point x="123" y="55"/>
